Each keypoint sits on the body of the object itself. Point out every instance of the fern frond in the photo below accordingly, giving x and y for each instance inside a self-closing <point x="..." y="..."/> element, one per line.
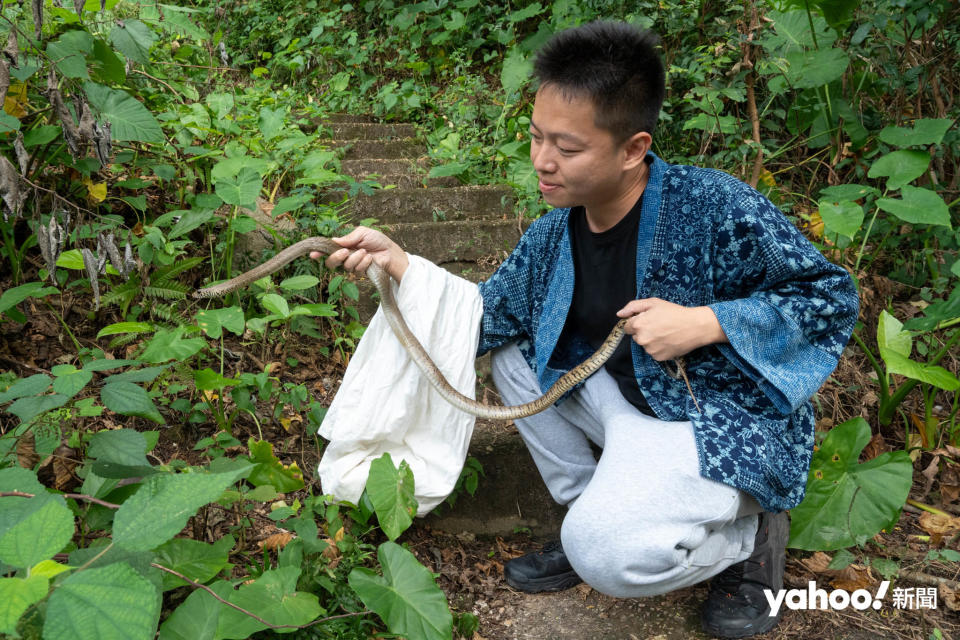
<point x="177" y="267"/>
<point x="166" y="290"/>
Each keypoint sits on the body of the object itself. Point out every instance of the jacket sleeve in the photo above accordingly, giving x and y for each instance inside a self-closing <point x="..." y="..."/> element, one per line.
<point x="786" y="310"/>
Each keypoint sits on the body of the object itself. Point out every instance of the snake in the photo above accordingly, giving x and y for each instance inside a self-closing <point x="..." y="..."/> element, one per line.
<point x="391" y="310"/>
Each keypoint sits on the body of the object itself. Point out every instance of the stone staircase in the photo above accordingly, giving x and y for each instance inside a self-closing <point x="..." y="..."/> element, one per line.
<point x="467" y="230"/>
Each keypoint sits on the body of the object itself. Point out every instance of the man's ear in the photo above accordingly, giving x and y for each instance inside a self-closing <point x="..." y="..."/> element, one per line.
<point x="635" y="149"/>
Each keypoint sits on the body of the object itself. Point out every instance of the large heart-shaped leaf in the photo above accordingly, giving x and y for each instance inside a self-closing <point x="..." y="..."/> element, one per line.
<point x="391" y="491"/>
<point x="924" y="131"/>
<point x="110" y="603"/>
<point x="918" y="206"/>
<point x="847" y="502"/>
<point x="214" y="321"/>
<point x="129" y="119"/>
<point x="405" y="597"/>
<point x="133" y="39"/>
<point x="273" y="597"/>
<point x="842" y="217"/>
<point x="240" y="190"/>
<point x="900" y="167"/>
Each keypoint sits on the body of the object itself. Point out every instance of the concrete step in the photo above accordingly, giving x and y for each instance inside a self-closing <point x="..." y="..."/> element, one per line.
<point x="383" y="149"/>
<point x="371" y="130"/>
<point x="404" y="205"/>
<point x="346" y="117"/>
<point x="401" y="172"/>
<point x="457" y="240"/>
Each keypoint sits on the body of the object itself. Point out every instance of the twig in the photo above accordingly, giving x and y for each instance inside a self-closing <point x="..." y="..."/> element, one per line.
<point x="751" y="95"/>
<point x="74" y="496"/>
<point x="155" y="79"/>
<point x="929" y="580"/>
<point x="22" y="364"/>
<point x="253" y="615"/>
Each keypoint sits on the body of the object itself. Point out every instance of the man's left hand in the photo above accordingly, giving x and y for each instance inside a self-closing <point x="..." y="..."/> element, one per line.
<point x="667" y="330"/>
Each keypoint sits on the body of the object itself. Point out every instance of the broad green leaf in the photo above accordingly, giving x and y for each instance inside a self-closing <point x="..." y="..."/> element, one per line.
<point x="516" y="71"/>
<point x="843" y="217"/>
<point x="189" y="221"/>
<point x="8" y="123"/>
<point x="918" y="206"/>
<point x="274" y="597"/>
<point x="33" y="529"/>
<point x="198" y="616"/>
<point x="269" y="470"/>
<point x="931" y="374"/>
<point x="850" y="192"/>
<point x="125" y="327"/>
<point x="106" y="364"/>
<point x="37" y="383"/>
<point x="793" y="32"/>
<point x="242" y="190"/>
<point x="900" y="167"/>
<point x="944" y="310"/>
<point x="391" y="491"/>
<point x="220" y="103"/>
<point x="406" y="597"/>
<point x="290" y="203"/>
<point x="299" y="283"/>
<point x="71" y="259"/>
<point x="71" y="383"/>
<point x="847" y="503"/>
<point x="130" y="120"/>
<point x="891" y="337"/>
<point x="40" y="135"/>
<point x="214" y="321"/>
<point x="316" y="309"/>
<point x="809" y="69"/>
<point x="146" y="374"/>
<point x="133" y="39"/>
<point x="925" y="131"/>
<point x="49" y="568"/>
<point x="526" y="13"/>
<point x="161" y="507"/>
<point x="119" y="454"/>
<point x="69" y="53"/>
<point x="16" y="295"/>
<point x="169" y="344"/>
<point x="111" y="69"/>
<point x="275" y="304"/>
<point x="129" y="399"/>
<point x="209" y="380"/>
<point x="197" y="560"/>
<point x="109" y="603"/>
<point x="271" y="121"/>
<point x="29" y="408"/>
<point x="17" y="479"/>
<point x="16" y="596"/>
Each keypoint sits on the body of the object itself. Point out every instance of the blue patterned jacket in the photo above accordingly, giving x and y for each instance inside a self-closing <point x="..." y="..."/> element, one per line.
<point x="705" y="238"/>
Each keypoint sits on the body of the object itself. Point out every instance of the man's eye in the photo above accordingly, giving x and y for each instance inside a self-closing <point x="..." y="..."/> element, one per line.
<point x="562" y="150"/>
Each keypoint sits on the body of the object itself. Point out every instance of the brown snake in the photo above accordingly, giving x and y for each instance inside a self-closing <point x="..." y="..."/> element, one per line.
<point x="419" y="355"/>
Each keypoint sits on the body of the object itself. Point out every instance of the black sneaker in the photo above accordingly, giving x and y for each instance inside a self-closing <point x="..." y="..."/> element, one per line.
<point x="736" y="606"/>
<point x="545" y="570"/>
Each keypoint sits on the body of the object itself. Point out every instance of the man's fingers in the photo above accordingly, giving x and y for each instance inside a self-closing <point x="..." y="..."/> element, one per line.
<point x="634" y="307"/>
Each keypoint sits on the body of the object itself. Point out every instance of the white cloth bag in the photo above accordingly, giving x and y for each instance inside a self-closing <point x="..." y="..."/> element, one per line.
<point x="386" y="405"/>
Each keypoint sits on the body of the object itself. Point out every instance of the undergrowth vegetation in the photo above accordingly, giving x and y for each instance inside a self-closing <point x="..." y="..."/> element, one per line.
<point x="142" y="143"/>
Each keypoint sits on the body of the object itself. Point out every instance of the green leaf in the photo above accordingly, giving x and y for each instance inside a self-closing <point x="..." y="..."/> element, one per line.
<point x="16" y="596"/>
<point x="208" y="380"/>
<point x="900" y="167"/>
<point x="133" y="39"/>
<point x="110" y="68"/>
<point x="197" y="560"/>
<point x="29" y="408"/>
<point x="406" y="597"/>
<point x="269" y="470"/>
<point x="290" y="203"/>
<point x="299" y="283"/>
<point x="146" y="374"/>
<point x="274" y="597"/>
<point x="129" y="119"/>
<point x="40" y="136"/>
<point x="161" y="507"/>
<point x="213" y="321"/>
<point x="851" y="192"/>
<point x="275" y="304"/>
<point x="918" y="206"/>
<point x="843" y="217"/>
<point x="189" y="221"/>
<point x="110" y="603"/>
<point x="241" y="190"/>
<point x="34" y="529"/>
<point x="199" y="615"/>
<point x="129" y="399"/>
<point x="16" y="295"/>
<point x="925" y="131"/>
<point x="391" y="491"/>
<point x="940" y="311"/>
<point x="220" y="103"/>
<point x="119" y="454"/>
<point x="169" y="344"/>
<point x="72" y="382"/>
<point x="891" y="337"/>
<point x="847" y="503"/>
<point x="37" y="383"/>
<point x="106" y="364"/>
<point x="271" y="121"/>
<point x="71" y="259"/>
<point x="809" y="69"/>
<point x="69" y="53"/>
<point x="17" y="479"/>
<point x="931" y="374"/>
<point x="516" y="71"/>
<point x="449" y="169"/>
<point x="125" y="327"/>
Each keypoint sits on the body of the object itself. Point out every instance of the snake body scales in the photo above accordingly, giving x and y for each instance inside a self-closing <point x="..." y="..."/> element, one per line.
<point x="381" y="280"/>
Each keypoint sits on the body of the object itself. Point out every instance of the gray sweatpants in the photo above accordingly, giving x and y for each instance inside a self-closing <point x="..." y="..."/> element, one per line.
<point x="641" y="520"/>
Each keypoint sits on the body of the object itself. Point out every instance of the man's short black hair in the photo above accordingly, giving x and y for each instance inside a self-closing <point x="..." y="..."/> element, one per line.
<point x="615" y="65"/>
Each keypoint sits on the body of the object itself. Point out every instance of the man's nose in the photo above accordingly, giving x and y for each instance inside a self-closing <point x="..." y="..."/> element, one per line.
<point x="542" y="159"/>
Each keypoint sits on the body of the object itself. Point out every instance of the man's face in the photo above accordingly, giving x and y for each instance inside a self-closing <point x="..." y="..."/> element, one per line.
<point x="577" y="162"/>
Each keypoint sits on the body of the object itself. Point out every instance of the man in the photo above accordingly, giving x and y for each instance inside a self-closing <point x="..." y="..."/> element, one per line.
<point x="700" y="456"/>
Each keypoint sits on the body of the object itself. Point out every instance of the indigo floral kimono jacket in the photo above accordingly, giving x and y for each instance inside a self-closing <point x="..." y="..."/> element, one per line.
<point x="705" y="238"/>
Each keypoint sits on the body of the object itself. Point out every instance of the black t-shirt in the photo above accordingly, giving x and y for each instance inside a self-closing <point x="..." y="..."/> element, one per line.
<point x="605" y="267"/>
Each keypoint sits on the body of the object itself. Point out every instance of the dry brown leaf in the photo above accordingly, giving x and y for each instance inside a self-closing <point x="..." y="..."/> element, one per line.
<point x="937" y="524"/>
<point x="949" y="598"/>
<point x="277" y="541"/>
<point x="817" y="563"/>
<point x="930" y="474"/>
<point x="26" y="455"/>
<point x="853" y="577"/>
<point x="875" y="447"/>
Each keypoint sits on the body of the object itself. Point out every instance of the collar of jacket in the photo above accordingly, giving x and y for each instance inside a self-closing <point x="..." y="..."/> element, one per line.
<point x="560" y="292"/>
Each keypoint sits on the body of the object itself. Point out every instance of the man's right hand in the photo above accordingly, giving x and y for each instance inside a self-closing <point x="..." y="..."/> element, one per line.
<point x="363" y="246"/>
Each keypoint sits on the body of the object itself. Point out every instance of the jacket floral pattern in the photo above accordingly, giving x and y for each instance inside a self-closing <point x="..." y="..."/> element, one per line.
<point x="705" y="238"/>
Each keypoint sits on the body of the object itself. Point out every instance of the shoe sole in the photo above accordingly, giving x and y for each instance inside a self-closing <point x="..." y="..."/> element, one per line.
<point x="769" y="624"/>
<point x="561" y="582"/>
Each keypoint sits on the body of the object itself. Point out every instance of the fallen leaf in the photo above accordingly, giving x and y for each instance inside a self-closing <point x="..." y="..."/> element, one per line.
<point x="930" y="474"/>
<point x="277" y="541"/>
<point x="817" y="563"/>
<point x="26" y="455"/>
<point x="949" y="598"/>
<point x="937" y="524"/>
<point x="875" y="447"/>
<point x="853" y="577"/>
